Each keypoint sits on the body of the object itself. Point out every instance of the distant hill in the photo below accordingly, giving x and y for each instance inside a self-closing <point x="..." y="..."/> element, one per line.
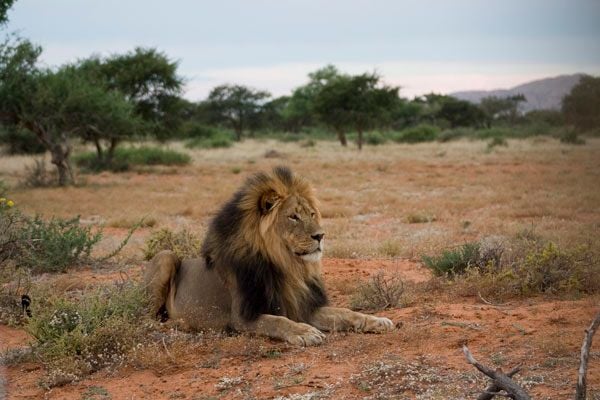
<point x="544" y="94"/>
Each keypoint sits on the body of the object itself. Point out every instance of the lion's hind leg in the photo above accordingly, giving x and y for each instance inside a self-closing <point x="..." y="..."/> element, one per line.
<point x="158" y="278"/>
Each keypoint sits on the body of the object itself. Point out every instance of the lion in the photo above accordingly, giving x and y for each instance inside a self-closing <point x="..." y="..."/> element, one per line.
<point x="259" y="271"/>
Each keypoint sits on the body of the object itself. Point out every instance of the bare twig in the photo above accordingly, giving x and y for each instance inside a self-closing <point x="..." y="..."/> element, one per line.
<point x="499" y="379"/>
<point x="580" y="394"/>
<point x="492" y="389"/>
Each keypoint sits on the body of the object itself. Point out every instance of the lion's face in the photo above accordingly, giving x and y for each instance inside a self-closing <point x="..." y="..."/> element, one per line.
<point x="298" y="225"/>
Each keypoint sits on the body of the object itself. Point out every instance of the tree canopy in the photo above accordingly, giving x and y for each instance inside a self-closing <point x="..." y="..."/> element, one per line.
<point x="237" y="105"/>
<point x="582" y="106"/>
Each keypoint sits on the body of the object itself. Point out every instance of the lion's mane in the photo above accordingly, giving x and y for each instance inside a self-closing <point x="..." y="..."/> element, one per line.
<point x="243" y="245"/>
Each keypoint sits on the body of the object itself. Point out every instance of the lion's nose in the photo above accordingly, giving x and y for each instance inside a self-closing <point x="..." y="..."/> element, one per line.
<point x="318" y="236"/>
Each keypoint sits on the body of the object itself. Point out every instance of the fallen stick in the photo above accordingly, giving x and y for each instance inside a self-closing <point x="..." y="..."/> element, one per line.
<point x="580" y="394"/>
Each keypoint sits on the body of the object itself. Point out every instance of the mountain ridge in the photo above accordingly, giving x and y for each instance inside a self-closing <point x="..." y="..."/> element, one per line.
<point x="541" y="94"/>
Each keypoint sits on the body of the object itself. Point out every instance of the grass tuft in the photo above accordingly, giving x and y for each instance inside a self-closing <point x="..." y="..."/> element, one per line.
<point x="183" y="243"/>
<point x="378" y="293"/>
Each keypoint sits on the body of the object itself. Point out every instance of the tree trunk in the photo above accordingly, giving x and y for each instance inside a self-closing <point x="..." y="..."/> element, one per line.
<point x="99" y="152"/>
<point x="111" y="150"/>
<point x="342" y="136"/>
<point x="360" y="139"/>
<point x="60" y="157"/>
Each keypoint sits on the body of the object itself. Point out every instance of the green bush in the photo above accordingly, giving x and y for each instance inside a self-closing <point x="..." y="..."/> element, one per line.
<point x="196" y="130"/>
<point x="454" y="262"/>
<point x="44" y="246"/>
<point x="375" y="138"/>
<point x="54" y="245"/>
<point x="125" y="157"/>
<point x="20" y="141"/>
<point x="416" y="134"/>
<point x="222" y="140"/>
<point x="80" y="335"/>
<point x="493" y="132"/>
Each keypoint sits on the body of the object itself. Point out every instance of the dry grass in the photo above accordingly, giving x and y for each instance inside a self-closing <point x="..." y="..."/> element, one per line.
<point x="548" y="185"/>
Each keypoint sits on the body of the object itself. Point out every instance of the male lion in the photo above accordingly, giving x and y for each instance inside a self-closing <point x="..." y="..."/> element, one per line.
<point x="260" y="269"/>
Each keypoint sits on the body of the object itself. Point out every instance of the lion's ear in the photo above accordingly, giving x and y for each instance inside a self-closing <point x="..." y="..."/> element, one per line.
<point x="268" y="201"/>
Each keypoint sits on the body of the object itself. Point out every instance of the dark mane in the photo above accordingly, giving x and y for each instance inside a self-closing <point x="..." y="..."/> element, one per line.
<point x="260" y="283"/>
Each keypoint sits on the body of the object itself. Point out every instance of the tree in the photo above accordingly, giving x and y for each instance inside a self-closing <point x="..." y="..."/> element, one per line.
<point x="299" y="111"/>
<point x="237" y="105"/>
<point x="460" y="113"/>
<point x="56" y="105"/>
<point x="581" y="107"/>
<point x="148" y="79"/>
<point x="501" y="107"/>
<point x="5" y="5"/>
<point x="356" y="101"/>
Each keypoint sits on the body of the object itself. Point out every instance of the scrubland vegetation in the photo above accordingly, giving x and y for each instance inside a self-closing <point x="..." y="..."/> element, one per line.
<point x="461" y="222"/>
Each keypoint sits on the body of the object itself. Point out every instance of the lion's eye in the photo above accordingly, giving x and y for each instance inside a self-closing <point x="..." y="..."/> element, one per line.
<point x="294" y="217"/>
<point x="312" y="215"/>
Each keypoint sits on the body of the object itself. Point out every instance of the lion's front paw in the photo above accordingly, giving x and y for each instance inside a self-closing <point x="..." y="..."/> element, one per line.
<point x="305" y="335"/>
<point x="377" y="324"/>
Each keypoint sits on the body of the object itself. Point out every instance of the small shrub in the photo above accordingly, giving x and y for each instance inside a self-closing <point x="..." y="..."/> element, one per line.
<point x="419" y="133"/>
<point x="183" y="243"/>
<point x="497" y="141"/>
<point x="375" y="138"/>
<point x="21" y="141"/>
<point x="416" y="218"/>
<point x="454" y="262"/>
<point x="379" y="293"/>
<point x="125" y="157"/>
<point x="54" y="245"/>
<point x="36" y="175"/>
<point x="308" y="143"/>
<point x="494" y="132"/>
<point x="75" y="337"/>
<point x="571" y="137"/>
<point x="3" y="188"/>
<point x="212" y="142"/>
<point x="195" y="130"/>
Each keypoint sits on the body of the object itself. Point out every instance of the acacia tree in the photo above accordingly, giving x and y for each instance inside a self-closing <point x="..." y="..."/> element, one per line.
<point x="501" y="107"/>
<point x="55" y="105"/>
<point x="300" y="109"/>
<point x="354" y="101"/>
<point x="149" y="82"/>
<point x="237" y="105"/>
<point x="5" y="5"/>
<point x="581" y="107"/>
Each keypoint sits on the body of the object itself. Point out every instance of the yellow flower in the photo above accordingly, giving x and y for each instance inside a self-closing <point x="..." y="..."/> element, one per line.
<point x="10" y="203"/>
<point x="2" y="200"/>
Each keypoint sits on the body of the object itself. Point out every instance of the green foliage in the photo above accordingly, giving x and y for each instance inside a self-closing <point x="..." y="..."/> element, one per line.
<point x="5" y="5"/>
<point x="78" y="336"/>
<point x="183" y="243"/>
<point x="375" y="138"/>
<point x="20" y="141"/>
<point x="237" y="105"/>
<point x="419" y="133"/>
<point x="581" y="107"/>
<point x="354" y="101"/>
<point x="126" y="157"/>
<point x="218" y="140"/>
<point x="54" y="245"/>
<point x="456" y="133"/>
<point x="460" y="113"/>
<point x="379" y="293"/>
<point x="454" y="262"/>
<point x="502" y="108"/>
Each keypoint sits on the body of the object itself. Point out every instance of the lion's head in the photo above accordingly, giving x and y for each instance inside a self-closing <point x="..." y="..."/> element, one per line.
<point x="270" y="232"/>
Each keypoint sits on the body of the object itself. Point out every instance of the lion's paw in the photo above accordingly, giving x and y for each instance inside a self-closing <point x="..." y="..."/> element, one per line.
<point x="305" y="335"/>
<point x="377" y="324"/>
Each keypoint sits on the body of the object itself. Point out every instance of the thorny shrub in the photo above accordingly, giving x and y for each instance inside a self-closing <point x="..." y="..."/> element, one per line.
<point x="378" y="293"/>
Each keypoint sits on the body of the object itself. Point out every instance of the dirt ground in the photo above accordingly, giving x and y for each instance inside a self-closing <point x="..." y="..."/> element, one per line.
<point x="369" y="201"/>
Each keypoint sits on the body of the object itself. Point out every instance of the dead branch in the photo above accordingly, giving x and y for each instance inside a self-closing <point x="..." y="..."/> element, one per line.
<point x="499" y="380"/>
<point x="580" y="394"/>
<point x="492" y="389"/>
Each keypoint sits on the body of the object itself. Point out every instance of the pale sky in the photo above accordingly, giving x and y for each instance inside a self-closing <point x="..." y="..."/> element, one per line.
<point x="420" y="45"/>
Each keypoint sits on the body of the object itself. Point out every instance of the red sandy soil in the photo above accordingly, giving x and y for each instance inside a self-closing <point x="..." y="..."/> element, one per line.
<point x="421" y="359"/>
